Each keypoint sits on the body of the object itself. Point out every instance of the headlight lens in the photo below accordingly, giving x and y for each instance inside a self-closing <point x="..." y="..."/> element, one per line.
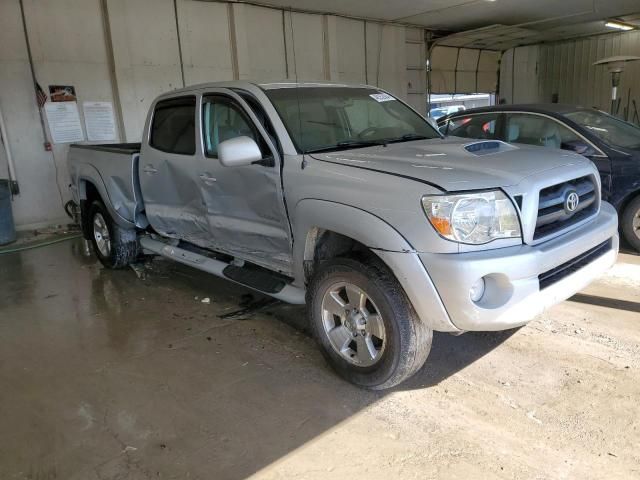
<point x="473" y="218"/>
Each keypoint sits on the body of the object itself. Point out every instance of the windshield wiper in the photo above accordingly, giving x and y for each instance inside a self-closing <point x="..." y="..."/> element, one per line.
<point x="347" y="144"/>
<point x="408" y="137"/>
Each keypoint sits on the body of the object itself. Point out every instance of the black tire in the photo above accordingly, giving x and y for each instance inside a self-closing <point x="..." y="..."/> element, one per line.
<point x="123" y="242"/>
<point x="408" y="339"/>
<point x="631" y="212"/>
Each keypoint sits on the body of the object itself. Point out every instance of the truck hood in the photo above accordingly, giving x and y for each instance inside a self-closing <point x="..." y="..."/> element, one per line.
<point x="455" y="164"/>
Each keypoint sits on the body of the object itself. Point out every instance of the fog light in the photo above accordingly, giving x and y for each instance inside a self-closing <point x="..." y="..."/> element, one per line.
<point x="477" y="290"/>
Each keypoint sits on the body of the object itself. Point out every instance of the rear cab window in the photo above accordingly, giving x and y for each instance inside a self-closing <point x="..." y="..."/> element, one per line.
<point x="173" y="127"/>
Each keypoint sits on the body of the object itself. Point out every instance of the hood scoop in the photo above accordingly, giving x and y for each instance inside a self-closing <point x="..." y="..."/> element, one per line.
<point x="488" y="147"/>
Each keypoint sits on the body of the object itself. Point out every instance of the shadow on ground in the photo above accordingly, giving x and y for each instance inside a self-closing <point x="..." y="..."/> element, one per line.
<point x="107" y="375"/>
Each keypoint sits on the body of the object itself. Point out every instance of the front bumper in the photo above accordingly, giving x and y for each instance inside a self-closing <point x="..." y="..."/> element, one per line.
<point x="513" y="295"/>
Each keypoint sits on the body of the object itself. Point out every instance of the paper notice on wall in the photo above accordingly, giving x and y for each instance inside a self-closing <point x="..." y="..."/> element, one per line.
<point x="98" y="121"/>
<point x="64" y="122"/>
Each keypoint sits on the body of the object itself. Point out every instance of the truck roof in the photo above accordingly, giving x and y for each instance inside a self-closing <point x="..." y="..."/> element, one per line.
<point x="249" y="85"/>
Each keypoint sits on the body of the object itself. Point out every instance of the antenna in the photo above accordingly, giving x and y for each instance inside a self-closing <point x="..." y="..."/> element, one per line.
<point x="295" y="73"/>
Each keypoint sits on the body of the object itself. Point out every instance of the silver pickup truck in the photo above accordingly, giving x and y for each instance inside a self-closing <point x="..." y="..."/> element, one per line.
<point x="346" y="199"/>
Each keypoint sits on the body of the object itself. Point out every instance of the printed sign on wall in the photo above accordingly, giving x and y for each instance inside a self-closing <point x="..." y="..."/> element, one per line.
<point x="98" y="121"/>
<point x="64" y="122"/>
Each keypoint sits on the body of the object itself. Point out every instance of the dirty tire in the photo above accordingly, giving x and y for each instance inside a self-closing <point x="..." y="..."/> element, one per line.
<point x="631" y="212"/>
<point x="408" y="339"/>
<point x="124" y="243"/>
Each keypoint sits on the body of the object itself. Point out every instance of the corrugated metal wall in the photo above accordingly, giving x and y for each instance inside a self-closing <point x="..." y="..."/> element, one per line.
<point x="129" y="51"/>
<point x="537" y="73"/>
<point x="519" y="82"/>
<point x="567" y="69"/>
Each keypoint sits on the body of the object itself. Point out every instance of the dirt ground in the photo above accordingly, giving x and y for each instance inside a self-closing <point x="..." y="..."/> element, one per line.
<point x="130" y="375"/>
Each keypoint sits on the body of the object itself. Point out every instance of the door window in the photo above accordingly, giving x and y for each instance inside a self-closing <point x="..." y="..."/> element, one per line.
<point x="223" y="120"/>
<point x="540" y="131"/>
<point x="475" y="126"/>
<point x="173" y="126"/>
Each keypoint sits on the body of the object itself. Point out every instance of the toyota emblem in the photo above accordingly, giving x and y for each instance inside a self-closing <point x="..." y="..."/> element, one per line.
<point x="571" y="202"/>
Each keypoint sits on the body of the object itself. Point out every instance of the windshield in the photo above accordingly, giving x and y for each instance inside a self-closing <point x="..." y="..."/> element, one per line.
<point x="338" y="118"/>
<point x="609" y="129"/>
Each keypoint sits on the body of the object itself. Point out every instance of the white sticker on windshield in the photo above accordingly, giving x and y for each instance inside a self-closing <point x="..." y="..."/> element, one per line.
<point x="381" y="97"/>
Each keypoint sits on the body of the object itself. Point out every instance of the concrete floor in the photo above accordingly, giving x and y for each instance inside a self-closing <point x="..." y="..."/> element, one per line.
<point x="104" y="375"/>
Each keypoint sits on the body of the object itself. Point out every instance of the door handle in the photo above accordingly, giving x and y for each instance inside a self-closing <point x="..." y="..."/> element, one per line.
<point x="150" y="169"/>
<point x="206" y="178"/>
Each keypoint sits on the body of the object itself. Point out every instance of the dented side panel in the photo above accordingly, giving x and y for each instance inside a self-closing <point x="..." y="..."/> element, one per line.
<point x="109" y="173"/>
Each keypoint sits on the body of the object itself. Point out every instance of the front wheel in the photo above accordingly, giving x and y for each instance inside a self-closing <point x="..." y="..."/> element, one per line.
<point x="366" y="327"/>
<point x="630" y="223"/>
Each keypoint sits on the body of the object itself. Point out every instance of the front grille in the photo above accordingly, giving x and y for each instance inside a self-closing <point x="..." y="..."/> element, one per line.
<point x="552" y="215"/>
<point x="556" y="274"/>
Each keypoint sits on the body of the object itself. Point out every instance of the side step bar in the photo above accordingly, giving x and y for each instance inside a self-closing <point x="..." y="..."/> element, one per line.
<point x="258" y="280"/>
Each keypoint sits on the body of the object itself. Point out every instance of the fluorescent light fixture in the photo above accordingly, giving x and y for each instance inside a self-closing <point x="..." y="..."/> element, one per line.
<point x="618" y="25"/>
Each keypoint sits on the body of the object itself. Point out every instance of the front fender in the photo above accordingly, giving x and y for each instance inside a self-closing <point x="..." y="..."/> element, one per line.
<point x="352" y="222"/>
<point x="386" y="242"/>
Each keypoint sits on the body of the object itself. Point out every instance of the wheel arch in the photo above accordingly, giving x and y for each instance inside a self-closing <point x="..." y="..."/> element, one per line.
<point x="324" y="224"/>
<point x="627" y="199"/>
<point x="329" y="228"/>
<point x="91" y="186"/>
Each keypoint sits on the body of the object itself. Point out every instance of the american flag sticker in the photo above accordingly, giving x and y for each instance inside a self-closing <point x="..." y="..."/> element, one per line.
<point x="41" y="97"/>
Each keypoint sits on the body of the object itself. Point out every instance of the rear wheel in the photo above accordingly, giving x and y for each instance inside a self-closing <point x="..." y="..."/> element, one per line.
<point x="366" y="327"/>
<point x="630" y="223"/>
<point x="114" y="246"/>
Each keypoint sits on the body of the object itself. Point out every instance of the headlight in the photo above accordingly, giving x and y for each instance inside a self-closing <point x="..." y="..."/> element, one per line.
<point x="473" y="218"/>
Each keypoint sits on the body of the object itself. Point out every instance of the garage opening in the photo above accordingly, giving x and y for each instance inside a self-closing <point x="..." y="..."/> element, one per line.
<point x="461" y="78"/>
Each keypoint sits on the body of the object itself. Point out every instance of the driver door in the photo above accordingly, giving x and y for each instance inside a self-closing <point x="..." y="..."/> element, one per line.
<point x="244" y="205"/>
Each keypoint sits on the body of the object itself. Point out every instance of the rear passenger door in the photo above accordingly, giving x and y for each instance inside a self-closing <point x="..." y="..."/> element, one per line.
<point x="168" y="171"/>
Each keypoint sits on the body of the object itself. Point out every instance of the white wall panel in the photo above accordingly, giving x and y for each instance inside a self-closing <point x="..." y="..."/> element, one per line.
<point x="68" y="48"/>
<point x="260" y="43"/>
<point x="305" y="34"/>
<point x="346" y="49"/>
<point x="416" y="69"/>
<point x="387" y="57"/>
<point x="38" y="201"/>
<point x="205" y="40"/>
<point x="147" y="60"/>
<point x="521" y="75"/>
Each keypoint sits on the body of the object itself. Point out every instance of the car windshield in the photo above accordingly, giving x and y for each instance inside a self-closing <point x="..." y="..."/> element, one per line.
<point x="610" y="130"/>
<point x="338" y="118"/>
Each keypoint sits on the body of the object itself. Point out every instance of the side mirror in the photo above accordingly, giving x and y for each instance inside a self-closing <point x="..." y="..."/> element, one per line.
<point x="238" y="152"/>
<point x="580" y="148"/>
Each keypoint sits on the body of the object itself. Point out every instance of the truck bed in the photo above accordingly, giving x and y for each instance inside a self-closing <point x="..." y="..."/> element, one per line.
<point x="113" y="169"/>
